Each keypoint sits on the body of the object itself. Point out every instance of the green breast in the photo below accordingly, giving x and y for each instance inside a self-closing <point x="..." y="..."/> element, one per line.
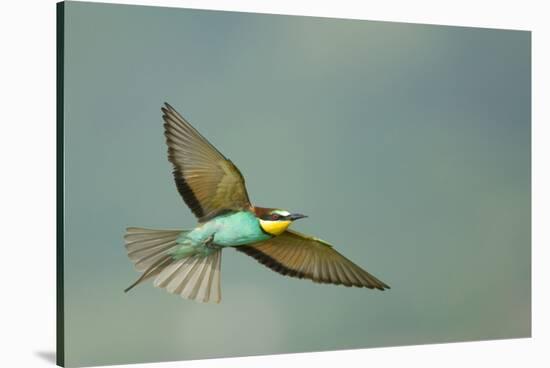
<point x="237" y="228"/>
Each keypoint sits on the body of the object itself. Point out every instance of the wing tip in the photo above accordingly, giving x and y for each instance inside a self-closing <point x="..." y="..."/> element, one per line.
<point x="375" y="284"/>
<point x="169" y="113"/>
<point x="381" y="286"/>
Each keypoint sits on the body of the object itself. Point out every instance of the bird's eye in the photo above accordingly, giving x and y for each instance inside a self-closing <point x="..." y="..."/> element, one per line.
<point x="275" y="217"/>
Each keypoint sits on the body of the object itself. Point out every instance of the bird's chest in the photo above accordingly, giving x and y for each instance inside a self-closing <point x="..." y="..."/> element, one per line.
<point x="236" y="229"/>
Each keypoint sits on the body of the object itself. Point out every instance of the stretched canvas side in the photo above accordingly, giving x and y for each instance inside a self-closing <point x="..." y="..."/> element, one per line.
<point x="60" y="325"/>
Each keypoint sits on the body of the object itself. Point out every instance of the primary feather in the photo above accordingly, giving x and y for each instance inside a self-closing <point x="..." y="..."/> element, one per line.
<point x="208" y="182"/>
<point x="297" y="255"/>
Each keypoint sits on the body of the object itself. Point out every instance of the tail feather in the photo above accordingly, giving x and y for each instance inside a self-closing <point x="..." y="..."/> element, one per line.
<point x="194" y="277"/>
<point x="146" y="246"/>
<point x="210" y="287"/>
<point x="152" y="271"/>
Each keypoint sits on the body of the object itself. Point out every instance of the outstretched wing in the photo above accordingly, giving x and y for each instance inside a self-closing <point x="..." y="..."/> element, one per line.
<point x="298" y="255"/>
<point x="208" y="182"/>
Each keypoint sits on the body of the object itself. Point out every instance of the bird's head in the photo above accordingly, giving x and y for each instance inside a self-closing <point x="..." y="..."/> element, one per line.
<point x="275" y="221"/>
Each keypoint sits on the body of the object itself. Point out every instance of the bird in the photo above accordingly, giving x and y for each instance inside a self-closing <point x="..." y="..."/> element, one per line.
<point x="188" y="262"/>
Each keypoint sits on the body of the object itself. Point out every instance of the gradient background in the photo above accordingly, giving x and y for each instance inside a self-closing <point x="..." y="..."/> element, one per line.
<point x="408" y="146"/>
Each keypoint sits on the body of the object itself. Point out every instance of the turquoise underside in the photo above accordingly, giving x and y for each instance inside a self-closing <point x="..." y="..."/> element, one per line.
<point x="233" y="229"/>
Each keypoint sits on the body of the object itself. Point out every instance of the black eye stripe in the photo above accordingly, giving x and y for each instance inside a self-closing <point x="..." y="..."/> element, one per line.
<point x="273" y="217"/>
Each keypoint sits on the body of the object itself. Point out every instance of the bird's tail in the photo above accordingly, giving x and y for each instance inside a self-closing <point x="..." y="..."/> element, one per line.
<point x="194" y="276"/>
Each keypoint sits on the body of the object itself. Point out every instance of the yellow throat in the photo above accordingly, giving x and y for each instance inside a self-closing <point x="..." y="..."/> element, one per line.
<point x="274" y="227"/>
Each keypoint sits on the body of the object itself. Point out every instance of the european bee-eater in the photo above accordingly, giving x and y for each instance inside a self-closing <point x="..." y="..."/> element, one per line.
<point x="188" y="262"/>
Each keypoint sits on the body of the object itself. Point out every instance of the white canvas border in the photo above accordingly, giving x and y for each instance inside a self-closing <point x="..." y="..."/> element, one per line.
<point x="27" y="151"/>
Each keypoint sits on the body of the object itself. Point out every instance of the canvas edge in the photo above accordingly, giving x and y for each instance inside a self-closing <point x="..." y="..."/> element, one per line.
<point x="60" y="294"/>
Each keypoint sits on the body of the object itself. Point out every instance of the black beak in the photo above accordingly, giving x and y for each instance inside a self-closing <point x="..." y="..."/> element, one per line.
<point x="296" y="216"/>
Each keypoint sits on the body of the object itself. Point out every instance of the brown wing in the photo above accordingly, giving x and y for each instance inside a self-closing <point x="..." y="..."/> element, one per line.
<point x="208" y="182"/>
<point x="298" y="255"/>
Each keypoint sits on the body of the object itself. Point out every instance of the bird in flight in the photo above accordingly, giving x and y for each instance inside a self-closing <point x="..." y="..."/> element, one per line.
<point x="188" y="262"/>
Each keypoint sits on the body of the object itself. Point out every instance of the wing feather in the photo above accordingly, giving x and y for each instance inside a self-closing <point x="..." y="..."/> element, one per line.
<point x="209" y="183"/>
<point x="298" y="255"/>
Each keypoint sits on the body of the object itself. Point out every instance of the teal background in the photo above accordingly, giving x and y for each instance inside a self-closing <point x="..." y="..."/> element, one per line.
<point x="407" y="145"/>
